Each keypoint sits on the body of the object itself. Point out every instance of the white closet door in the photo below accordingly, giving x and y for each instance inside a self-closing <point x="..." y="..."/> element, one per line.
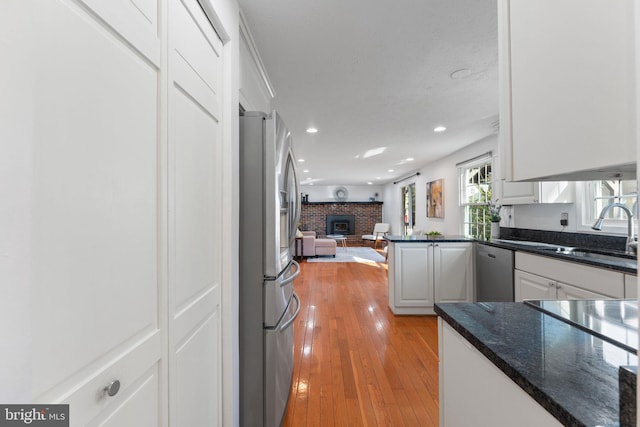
<point x="92" y="131"/>
<point x="195" y="77"/>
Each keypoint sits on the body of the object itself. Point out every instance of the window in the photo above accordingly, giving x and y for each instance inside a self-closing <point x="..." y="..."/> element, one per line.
<point x="475" y="195"/>
<point x="599" y="194"/>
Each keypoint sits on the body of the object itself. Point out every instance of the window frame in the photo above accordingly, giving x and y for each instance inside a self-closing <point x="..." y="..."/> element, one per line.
<point x="462" y="168"/>
<point x="585" y="191"/>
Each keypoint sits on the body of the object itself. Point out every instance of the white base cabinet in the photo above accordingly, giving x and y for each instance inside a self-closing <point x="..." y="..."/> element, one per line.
<point x="421" y="274"/>
<point x="466" y="376"/>
<point x="542" y="278"/>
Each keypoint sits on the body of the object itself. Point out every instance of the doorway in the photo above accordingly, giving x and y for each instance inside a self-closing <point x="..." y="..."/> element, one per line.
<point x="408" y="208"/>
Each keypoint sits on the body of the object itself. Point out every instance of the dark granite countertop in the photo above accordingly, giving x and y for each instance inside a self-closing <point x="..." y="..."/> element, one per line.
<point x="427" y="239"/>
<point x="569" y="372"/>
<point x="615" y="321"/>
<point x="625" y="265"/>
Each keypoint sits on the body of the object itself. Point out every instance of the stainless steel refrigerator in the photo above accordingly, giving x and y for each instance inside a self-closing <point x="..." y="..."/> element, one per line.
<point x="269" y="214"/>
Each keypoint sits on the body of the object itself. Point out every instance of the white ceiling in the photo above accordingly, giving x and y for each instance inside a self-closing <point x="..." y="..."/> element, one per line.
<point x="373" y="73"/>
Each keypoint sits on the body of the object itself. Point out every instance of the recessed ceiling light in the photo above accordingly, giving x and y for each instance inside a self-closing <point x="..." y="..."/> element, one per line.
<point x="306" y="171"/>
<point x="311" y="183"/>
<point x="374" y="152"/>
<point x="312" y="130"/>
<point x="301" y="160"/>
<point x="409" y="159"/>
<point x="390" y="170"/>
<point x="439" y="129"/>
<point x="370" y="183"/>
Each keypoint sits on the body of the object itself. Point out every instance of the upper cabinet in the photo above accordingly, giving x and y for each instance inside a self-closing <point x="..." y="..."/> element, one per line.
<point x="520" y="193"/>
<point x="567" y="89"/>
<point x="256" y="91"/>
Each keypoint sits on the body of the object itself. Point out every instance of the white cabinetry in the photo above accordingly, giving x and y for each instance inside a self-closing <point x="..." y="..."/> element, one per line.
<point x="421" y="274"/>
<point x="538" y="277"/>
<point x="519" y="193"/>
<point x="567" y="89"/>
<point x="412" y="274"/>
<point x="194" y="218"/>
<point x="466" y="375"/>
<point x="116" y="128"/>
<point x="255" y="90"/>
<point x="94" y="214"/>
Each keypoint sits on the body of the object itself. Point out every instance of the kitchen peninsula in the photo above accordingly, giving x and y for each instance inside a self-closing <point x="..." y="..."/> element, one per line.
<point x="424" y="270"/>
<point x="536" y="360"/>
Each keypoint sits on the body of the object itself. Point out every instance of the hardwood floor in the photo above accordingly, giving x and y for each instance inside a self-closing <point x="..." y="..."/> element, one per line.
<point x="356" y="364"/>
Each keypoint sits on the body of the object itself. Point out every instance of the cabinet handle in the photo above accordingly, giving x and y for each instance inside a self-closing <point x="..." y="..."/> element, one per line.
<point x="112" y="389"/>
<point x="436" y="245"/>
<point x="551" y="284"/>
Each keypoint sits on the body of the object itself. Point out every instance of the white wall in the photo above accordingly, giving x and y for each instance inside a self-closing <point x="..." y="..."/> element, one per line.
<point x="446" y="169"/>
<point x="357" y="193"/>
<point x="542" y="217"/>
<point x="533" y="216"/>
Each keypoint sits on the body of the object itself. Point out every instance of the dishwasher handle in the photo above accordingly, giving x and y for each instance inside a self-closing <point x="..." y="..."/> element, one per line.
<point x="491" y="256"/>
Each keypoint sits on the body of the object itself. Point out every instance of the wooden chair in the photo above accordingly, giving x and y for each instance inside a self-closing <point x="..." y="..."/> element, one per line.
<point x="379" y="230"/>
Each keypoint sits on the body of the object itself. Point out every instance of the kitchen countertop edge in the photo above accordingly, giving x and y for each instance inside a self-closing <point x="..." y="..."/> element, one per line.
<point x="456" y="315"/>
<point x="538" y="395"/>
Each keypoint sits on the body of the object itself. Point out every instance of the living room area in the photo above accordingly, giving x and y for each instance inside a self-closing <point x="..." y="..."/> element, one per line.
<point x="336" y="226"/>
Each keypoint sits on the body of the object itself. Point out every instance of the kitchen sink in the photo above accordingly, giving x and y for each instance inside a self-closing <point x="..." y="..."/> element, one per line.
<point x="538" y="245"/>
<point x="619" y="258"/>
<point x="594" y="254"/>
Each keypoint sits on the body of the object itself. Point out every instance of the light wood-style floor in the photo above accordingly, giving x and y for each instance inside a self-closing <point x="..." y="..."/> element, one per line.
<point x="356" y="364"/>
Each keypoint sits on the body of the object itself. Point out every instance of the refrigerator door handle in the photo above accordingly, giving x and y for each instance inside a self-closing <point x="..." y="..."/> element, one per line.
<point x="292" y="278"/>
<point x="288" y="323"/>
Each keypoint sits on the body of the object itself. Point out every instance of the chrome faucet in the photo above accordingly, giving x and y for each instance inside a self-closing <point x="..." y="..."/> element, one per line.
<point x="600" y="220"/>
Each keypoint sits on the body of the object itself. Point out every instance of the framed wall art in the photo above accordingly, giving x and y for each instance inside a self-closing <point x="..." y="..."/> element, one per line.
<point x="435" y="199"/>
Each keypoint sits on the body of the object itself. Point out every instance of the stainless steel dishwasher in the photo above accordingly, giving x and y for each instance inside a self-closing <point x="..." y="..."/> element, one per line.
<point x="494" y="273"/>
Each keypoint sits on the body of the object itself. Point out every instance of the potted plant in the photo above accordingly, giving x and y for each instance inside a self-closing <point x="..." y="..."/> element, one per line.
<point x="494" y="214"/>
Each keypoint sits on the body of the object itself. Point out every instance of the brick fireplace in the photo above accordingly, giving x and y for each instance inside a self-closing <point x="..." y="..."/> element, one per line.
<point x="317" y="216"/>
<point x="341" y="224"/>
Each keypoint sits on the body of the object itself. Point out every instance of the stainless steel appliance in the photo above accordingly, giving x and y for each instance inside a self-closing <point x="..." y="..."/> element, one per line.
<point x="269" y="214"/>
<point x="494" y="274"/>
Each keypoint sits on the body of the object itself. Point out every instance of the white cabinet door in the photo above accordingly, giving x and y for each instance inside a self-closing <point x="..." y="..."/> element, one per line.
<point x="92" y="135"/>
<point x="568" y="292"/>
<point x="195" y="189"/>
<point x="517" y="193"/>
<point x="531" y="286"/>
<point x="520" y="193"/>
<point x="453" y="272"/>
<point x="466" y="375"/>
<point x="413" y="275"/>
<point x="567" y="82"/>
